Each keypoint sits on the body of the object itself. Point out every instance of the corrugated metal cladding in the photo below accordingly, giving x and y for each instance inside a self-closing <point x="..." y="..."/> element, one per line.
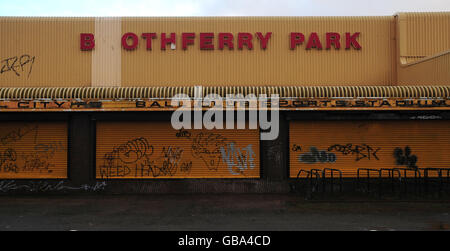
<point x="141" y="150"/>
<point x="434" y="70"/>
<point x="277" y="65"/>
<point x="423" y="48"/>
<point x="51" y="48"/>
<point x="33" y="150"/>
<point x="423" y="34"/>
<point x="44" y="52"/>
<point x="349" y="145"/>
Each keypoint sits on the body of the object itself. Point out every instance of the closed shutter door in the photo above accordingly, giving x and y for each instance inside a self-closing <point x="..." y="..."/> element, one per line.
<point x="349" y="145"/>
<point x="156" y="150"/>
<point x="33" y="150"/>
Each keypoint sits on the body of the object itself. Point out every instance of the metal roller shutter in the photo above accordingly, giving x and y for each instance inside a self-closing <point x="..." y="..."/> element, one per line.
<point x="349" y="145"/>
<point x="33" y="150"/>
<point x="156" y="150"/>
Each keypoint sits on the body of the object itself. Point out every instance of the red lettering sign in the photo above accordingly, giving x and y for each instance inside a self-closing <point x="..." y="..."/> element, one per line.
<point x="130" y="40"/>
<point x="313" y="41"/>
<point x="149" y="37"/>
<point x="263" y="39"/>
<point x="296" y="39"/>
<point x="187" y="39"/>
<point x="245" y="39"/>
<point x="87" y="41"/>
<point x="165" y="40"/>
<point x="333" y="39"/>
<point x="206" y="41"/>
<point x="350" y="40"/>
<point x="134" y="41"/>
<point x="226" y="39"/>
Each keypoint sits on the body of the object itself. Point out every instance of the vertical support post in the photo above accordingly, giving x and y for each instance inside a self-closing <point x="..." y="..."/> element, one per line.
<point x="81" y="140"/>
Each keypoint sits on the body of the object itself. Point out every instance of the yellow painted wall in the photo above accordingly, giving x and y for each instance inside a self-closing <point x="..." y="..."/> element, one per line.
<point x="50" y="51"/>
<point x="429" y="71"/>
<point x="277" y="65"/>
<point x="423" y="48"/>
<point x="53" y="43"/>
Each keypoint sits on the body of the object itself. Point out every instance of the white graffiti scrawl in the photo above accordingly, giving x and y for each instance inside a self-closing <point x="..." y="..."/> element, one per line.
<point x="239" y="159"/>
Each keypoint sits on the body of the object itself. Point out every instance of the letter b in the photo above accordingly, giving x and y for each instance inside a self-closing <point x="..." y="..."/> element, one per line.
<point x="87" y="42"/>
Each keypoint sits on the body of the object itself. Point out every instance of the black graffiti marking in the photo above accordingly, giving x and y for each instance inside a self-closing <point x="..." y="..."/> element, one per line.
<point x="44" y="186"/>
<point x="169" y="159"/>
<point x="296" y="148"/>
<point x="14" y="63"/>
<point x="315" y="156"/>
<point x="37" y="161"/>
<point x="404" y="158"/>
<point x="134" y="158"/>
<point x="133" y="150"/>
<point x="116" y="163"/>
<point x="18" y="133"/>
<point x="183" y="134"/>
<point x="361" y="151"/>
<point x="186" y="167"/>
<point x="7" y="161"/>
<point x="50" y="148"/>
<point x="206" y="146"/>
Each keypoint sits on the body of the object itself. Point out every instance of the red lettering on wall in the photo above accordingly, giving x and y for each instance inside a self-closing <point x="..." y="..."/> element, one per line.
<point x="313" y="41"/>
<point x="206" y="40"/>
<point x="149" y="37"/>
<point x="165" y="40"/>
<point x="350" y="40"/>
<point x="130" y="40"/>
<point x="87" y="41"/>
<point x="134" y="41"/>
<point x="245" y="39"/>
<point x="226" y="39"/>
<point x="187" y="39"/>
<point x="263" y="39"/>
<point x="333" y="39"/>
<point x="296" y="39"/>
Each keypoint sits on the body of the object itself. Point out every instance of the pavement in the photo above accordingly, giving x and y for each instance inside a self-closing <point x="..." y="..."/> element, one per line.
<point x="241" y="212"/>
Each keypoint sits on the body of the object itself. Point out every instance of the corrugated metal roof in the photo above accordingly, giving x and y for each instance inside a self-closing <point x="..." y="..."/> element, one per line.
<point x="282" y="91"/>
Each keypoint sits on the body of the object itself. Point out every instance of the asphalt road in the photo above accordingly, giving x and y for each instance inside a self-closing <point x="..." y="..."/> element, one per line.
<point x="215" y="212"/>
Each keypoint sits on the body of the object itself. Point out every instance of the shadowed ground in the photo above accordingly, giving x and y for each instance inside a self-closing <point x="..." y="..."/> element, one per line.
<point x="215" y="212"/>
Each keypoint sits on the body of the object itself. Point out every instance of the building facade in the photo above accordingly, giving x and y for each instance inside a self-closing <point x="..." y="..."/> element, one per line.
<point x="85" y="103"/>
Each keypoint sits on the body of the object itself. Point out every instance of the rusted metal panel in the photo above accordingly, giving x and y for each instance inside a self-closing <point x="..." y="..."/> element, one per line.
<point x="148" y="150"/>
<point x="33" y="150"/>
<point x="351" y="145"/>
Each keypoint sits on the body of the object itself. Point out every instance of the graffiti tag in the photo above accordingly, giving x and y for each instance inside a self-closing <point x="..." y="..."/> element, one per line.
<point x="238" y="160"/>
<point x="315" y="156"/>
<point x="17" y="65"/>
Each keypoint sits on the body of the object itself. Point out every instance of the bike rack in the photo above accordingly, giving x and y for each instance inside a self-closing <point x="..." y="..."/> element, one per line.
<point x="440" y="177"/>
<point x="324" y="178"/>
<point x="313" y="175"/>
<point x="391" y="175"/>
<point x="404" y="181"/>
<point x="317" y="176"/>
<point x="368" y="171"/>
